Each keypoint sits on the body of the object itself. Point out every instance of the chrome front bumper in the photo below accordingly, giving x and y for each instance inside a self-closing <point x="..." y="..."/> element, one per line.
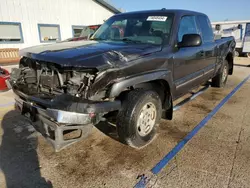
<point x="59" y="116"/>
<point x="54" y="124"/>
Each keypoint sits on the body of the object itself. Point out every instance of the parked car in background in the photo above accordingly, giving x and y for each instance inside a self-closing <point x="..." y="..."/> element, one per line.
<point x="133" y="68"/>
<point x="88" y="31"/>
<point x="4" y="75"/>
<point x="85" y="34"/>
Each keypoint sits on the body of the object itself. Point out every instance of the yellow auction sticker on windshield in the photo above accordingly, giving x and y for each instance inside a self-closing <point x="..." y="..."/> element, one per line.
<point x="157" y="18"/>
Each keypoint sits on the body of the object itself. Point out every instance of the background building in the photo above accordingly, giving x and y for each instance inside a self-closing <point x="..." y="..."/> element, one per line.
<point x="26" y="23"/>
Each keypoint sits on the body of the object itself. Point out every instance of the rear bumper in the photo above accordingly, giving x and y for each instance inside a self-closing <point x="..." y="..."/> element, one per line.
<point x="54" y="122"/>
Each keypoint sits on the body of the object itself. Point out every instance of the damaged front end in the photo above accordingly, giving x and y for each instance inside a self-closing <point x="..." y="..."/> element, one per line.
<point x="59" y="100"/>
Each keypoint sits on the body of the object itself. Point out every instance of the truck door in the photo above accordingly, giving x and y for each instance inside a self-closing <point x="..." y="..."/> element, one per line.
<point x="187" y="59"/>
<point x="208" y="47"/>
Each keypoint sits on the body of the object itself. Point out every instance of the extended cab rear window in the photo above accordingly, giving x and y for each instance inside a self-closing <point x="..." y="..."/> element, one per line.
<point x="206" y="29"/>
<point x="187" y="26"/>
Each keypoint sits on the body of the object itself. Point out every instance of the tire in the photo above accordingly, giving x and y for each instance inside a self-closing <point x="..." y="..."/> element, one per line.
<point x="236" y="53"/>
<point x="220" y="79"/>
<point x="248" y="54"/>
<point x="131" y="129"/>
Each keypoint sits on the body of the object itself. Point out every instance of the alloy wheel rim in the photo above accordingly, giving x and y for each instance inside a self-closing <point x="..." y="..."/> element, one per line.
<point x="146" y="119"/>
<point x="224" y="74"/>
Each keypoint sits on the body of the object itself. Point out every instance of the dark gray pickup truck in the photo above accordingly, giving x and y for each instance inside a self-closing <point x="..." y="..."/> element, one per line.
<point x="131" y="71"/>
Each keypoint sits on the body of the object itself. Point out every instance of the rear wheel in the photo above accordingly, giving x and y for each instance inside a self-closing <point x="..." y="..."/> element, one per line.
<point x="248" y="54"/>
<point x="220" y="79"/>
<point x="236" y="54"/>
<point x="137" y="120"/>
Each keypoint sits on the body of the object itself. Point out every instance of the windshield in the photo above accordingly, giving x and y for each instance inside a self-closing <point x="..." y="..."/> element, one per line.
<point x="140" y="28"/>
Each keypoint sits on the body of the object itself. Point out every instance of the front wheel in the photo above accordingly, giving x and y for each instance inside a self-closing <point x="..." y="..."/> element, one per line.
<point x="137" y="120"/>
<point x="220" y="79"/>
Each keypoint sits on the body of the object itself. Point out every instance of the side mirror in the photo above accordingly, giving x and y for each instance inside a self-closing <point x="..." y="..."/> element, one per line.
<point x="190" y="40"/>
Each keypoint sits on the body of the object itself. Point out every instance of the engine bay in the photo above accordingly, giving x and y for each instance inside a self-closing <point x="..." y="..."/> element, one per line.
<point x="48" y="79"/>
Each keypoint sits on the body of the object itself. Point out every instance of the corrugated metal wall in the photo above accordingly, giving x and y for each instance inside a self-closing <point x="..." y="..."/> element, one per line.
<point x="63" y="12"/>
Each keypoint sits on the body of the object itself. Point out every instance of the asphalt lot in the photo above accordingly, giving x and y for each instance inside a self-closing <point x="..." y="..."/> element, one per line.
<point x="217" y="156"/>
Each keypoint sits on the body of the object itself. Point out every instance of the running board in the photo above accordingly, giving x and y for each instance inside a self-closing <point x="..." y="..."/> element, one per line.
<point x="193" y="96"/>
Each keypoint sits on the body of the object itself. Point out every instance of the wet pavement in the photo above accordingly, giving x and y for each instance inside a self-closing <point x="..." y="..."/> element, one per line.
<point x="218" y="156"/>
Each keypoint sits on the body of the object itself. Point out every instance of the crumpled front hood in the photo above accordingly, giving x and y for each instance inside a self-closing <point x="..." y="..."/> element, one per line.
<point x="90" y="54"/>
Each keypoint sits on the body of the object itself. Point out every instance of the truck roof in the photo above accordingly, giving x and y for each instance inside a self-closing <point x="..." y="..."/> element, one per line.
<point x="178" y="12"/>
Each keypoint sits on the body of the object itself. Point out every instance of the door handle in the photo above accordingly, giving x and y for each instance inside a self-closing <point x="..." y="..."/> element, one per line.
<point x="202" y="54"/>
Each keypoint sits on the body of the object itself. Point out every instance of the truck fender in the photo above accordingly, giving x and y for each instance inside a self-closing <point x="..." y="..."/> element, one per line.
<point x="120" y="86"/>
<point x="225" y="52"/>
<point x="165" y="75"/>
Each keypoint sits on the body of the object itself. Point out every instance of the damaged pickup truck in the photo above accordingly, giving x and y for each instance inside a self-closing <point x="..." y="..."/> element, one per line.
<point x="132" y="77"/>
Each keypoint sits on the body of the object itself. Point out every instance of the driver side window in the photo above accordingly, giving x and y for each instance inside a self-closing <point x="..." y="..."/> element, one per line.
<point x="187" y="26"/>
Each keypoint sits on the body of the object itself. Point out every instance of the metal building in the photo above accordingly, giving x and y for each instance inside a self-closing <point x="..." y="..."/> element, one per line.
<point x="26" y="23"/>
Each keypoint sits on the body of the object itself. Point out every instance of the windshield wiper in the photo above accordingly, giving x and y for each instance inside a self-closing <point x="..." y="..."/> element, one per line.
<point x="123" y="39"/>
<point x="97" y="39"/>
<point x="130" y="40"/>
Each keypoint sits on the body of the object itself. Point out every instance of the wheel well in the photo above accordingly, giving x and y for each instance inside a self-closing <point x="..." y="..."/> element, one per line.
<point x="230" y="60"/>
<point x="161" y="87"/>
